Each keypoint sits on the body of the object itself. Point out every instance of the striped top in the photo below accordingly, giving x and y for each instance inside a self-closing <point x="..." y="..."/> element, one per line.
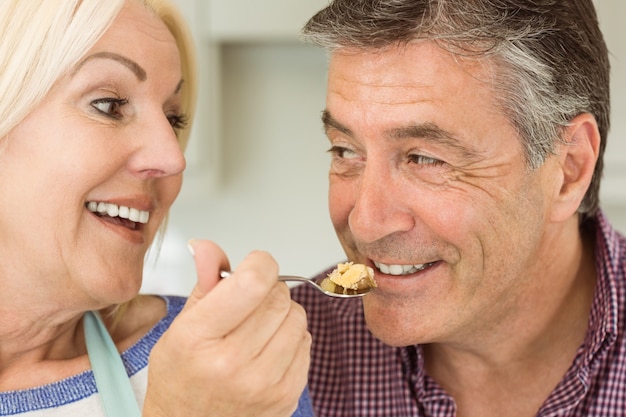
<point x="78" y="395"/>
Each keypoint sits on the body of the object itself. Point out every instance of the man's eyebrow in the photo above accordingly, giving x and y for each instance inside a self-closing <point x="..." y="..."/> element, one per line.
<point x="330" y="123"/>
<point x="427" y="131"/>
<point x="422" y="130"/>
<point x="139" y="72"/>
<point x="434" y="133"/>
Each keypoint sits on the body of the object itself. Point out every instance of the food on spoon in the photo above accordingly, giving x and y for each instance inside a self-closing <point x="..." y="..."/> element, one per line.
<point x="349" y="278"/>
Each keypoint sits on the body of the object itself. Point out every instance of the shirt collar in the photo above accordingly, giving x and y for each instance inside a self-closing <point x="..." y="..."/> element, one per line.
<point x="603" y="319"/>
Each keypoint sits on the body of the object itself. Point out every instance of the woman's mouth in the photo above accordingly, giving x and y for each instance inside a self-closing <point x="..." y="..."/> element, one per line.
<point x="125" y="216"/>
<point x="397" y="269"/>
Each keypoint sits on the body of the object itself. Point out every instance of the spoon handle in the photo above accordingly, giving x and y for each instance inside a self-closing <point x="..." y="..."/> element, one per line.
<point x="283" y="278"/>
<point x="296" y="278"/>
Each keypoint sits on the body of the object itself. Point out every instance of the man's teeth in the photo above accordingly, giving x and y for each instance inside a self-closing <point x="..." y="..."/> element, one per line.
<point x="113" y="210"/>
<point x="400" y="269"/>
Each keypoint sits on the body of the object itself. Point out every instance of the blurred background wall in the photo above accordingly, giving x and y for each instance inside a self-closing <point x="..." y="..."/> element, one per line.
<point x="257" y="162"/>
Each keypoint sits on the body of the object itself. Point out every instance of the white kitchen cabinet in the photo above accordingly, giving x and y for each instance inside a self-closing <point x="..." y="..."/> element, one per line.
<point x="248" y="20"/>
<point x="235" y="20"/>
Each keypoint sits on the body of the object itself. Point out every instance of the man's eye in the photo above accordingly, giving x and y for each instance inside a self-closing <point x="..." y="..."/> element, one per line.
<point x="341" y="152"/>
<point x="111" y="107"/>
<point x="424" y="160"/>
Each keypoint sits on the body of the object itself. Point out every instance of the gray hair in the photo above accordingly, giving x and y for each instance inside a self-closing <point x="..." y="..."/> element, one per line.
<point x="551" y="59"/>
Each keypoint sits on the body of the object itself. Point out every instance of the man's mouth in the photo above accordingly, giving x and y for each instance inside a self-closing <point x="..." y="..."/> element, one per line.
<point x="129" y="217"/>
<point x="396" y="269"/>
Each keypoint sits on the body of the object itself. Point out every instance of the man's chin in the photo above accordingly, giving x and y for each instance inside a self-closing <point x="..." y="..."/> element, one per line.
<point x="393" y="329"/>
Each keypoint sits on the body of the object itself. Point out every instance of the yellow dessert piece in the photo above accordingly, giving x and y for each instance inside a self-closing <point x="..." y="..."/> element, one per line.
<point x="349" y="278"/>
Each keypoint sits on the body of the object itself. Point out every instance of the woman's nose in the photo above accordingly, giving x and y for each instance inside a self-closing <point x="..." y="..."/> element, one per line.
<point x="158" y="153"/>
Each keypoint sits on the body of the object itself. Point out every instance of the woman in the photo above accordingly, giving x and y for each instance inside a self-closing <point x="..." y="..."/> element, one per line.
<point x="95" y="108"/>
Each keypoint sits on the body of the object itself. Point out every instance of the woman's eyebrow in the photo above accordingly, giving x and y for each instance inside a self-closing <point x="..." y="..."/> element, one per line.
<point x="179" y="86"/>
<point x="136" y="69"/>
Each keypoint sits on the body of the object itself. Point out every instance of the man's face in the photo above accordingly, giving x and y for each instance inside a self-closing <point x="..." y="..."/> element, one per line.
<point x="428" y="185"/>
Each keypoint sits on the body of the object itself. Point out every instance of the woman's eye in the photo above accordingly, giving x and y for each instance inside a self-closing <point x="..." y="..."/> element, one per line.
<point x="111" y="107"/>
<point x="424" y="160"/>
<point x="178" y="121"/>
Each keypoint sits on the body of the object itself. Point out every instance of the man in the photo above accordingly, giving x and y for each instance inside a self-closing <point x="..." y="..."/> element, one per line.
<point x="467" y="140"/>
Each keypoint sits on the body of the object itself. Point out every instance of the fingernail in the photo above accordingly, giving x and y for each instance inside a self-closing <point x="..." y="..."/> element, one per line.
<point x="190" y="247"/>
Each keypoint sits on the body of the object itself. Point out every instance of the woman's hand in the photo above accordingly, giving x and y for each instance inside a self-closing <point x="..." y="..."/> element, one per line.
<point x="240" y="347"/>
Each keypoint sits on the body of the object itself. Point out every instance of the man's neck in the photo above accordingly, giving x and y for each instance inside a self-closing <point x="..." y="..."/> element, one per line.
<point x="513" y="367"/>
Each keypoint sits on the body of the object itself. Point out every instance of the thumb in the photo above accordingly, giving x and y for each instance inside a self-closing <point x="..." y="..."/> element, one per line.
<point x="209" y="259"/>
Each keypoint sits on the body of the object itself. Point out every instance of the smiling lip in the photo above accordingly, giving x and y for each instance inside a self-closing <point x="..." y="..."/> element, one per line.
<point x="401" y="269"/>
<point x="123" y="212"/>
<point x="129" y="218"/>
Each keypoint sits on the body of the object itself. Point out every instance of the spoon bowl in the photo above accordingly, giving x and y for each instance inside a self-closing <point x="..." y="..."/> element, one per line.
<point x="339" y="292"/>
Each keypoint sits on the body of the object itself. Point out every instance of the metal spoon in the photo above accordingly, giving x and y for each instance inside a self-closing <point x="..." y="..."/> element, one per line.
<point x="343" y="292"/>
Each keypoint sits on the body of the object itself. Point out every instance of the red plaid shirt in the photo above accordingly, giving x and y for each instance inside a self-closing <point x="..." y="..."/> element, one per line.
<point x="380" y="380"/>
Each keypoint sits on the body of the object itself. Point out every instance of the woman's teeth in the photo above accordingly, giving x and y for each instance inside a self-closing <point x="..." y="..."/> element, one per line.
<point x="113" y="210"/>
<point x="400" y="269"/>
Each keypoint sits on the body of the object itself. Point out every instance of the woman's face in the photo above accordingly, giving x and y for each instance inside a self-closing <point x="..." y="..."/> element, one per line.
<point x="88" y="176"/>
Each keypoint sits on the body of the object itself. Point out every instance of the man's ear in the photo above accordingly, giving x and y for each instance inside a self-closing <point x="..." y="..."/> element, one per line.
<point x="577" y="155"/>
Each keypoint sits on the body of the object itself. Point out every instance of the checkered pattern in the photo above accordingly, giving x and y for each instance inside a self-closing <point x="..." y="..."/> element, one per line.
<point x="376" y="380"/>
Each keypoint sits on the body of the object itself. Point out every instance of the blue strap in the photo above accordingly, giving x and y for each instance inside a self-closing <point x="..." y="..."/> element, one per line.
<point x="111" y="378"/>
<point x="305" y="408"/>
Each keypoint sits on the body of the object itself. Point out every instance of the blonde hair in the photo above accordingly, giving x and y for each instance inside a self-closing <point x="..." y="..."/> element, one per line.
<point x="42" y="40"/>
